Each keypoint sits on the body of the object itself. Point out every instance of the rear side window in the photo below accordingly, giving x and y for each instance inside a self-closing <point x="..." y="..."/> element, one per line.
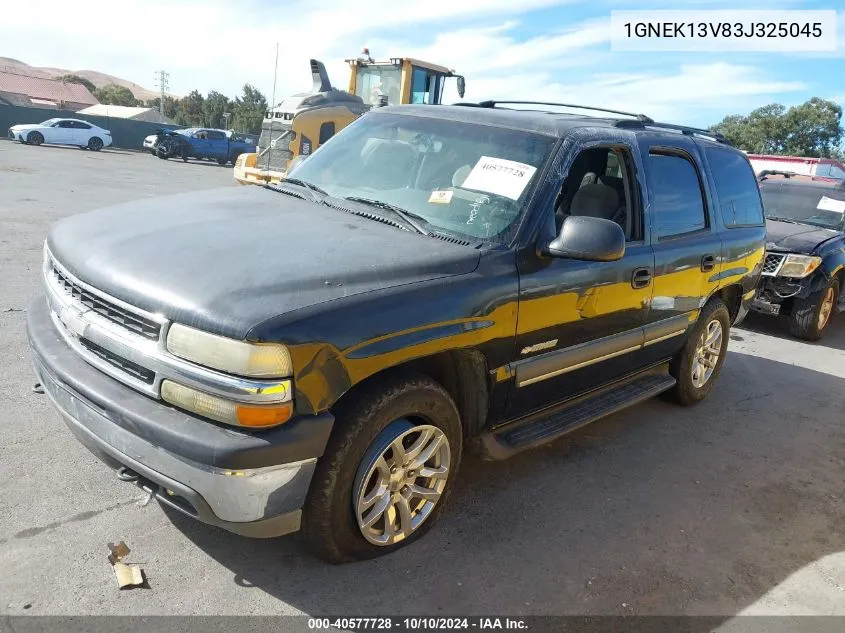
<point x="678" y="205"/>
<point x="214" y="135"/>
<point x="736" y="186"/>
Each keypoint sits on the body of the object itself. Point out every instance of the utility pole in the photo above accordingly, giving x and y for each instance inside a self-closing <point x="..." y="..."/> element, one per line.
<point x="162" y="81"/>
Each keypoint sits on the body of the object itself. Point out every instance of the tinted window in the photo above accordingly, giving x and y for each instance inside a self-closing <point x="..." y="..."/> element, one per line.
<point x="65" y="124"/>
<point x="326" y="131"/>
<point x="736" y="186"/>
<point x="216" y="136"/>
<point x="79" y="125"/>
<point x="678" y="207"/>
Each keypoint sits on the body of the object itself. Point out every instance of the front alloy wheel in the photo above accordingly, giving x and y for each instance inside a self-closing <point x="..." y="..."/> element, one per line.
<point x="400" y="481"/>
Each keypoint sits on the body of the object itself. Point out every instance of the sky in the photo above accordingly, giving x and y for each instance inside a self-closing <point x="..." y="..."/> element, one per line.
<point x="547" y="50"/>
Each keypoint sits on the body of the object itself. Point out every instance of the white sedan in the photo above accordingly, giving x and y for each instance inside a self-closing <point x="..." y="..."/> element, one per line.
<point x="62" y="132"/>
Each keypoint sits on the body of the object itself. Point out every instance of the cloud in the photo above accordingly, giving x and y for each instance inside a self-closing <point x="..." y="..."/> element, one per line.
<point x="694" y="94"/>
<point x="531" y="49"/>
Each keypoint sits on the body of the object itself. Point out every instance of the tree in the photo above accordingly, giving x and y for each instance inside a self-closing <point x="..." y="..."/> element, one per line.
<point x="190" y="110"/>
<point x="76" y="79"/>
<point x="249" y="110"/>
<point x="116" y="95"/>
<point x="811" y="129"/>
<point x="215" y="105"/>
<point x="814" y="128"/>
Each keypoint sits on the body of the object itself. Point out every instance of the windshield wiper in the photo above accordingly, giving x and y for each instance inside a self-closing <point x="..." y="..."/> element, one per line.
<point x="777" y="219"/>
<point x="410" y="218"/>
<point x="312" y="188"/>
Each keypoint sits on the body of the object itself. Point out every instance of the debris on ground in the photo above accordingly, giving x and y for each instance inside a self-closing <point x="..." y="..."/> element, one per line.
<point x="37" y="388"/>
<point x="128" y="576"/>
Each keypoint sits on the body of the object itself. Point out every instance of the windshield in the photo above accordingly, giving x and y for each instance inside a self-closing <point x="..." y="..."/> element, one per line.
<point x="460" y="178"/>
<point x="816" y="206"/>
<point x="49" y="122"/>
<point x="373" y="81"/>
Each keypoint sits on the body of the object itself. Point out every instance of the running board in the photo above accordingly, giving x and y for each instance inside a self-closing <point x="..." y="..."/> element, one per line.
<point x="548" y="425"/>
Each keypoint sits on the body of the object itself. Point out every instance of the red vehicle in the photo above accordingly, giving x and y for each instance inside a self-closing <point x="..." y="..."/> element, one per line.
<point x="817" y="168"/>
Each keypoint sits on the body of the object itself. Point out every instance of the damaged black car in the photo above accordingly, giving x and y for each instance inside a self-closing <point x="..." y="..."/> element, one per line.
<point x="804" y="270"/>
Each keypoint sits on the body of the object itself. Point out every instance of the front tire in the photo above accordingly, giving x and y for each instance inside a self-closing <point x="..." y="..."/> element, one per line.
<point x="698" y="364"/>
<point x="810" y="317"/>
<point x="387" y="470"/>
<point x="34" y="138"/>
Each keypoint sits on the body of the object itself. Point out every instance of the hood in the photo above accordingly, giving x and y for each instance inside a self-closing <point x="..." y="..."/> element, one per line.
<point x="25" y="126"/>
<point x="796" y="238"/>
<point x="227" y="259"/>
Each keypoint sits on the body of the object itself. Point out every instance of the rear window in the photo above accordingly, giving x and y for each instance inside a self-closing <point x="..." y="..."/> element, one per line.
<point x="806" y="204"/>
<point x="736" y="187"/>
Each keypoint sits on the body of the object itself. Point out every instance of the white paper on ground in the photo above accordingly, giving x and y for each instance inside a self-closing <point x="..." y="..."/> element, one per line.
<point x="829" y="204"/>
<point x="499" y="176"/>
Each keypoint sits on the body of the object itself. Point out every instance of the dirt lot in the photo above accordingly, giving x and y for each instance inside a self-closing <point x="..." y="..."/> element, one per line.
<point x="734" y="506"/>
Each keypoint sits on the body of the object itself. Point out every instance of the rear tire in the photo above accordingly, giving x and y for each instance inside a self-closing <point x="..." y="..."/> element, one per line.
<point x="406" y="409"/>
<point x="698" y="364"/>
<point x="95" y="143"/>
<point x="34" y="138"/>
<point x="810" y="317"/>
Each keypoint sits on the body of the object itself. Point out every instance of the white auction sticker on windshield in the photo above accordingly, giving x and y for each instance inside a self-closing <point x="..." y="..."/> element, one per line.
<point x="829" y="204"/>
<point x="499" y="176"/>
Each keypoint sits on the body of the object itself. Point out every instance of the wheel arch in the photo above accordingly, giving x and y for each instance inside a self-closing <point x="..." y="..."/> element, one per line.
<point x="731" y="295"/>
<point x="461" y="372"/>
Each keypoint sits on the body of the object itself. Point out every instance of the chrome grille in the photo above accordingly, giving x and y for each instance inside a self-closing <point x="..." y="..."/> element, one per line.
<point x="132" y="322"/>
<point x="133" y="369"/>
<point x="772" y="263"/>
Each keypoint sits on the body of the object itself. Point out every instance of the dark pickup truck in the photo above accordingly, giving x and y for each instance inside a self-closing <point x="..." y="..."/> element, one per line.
<point x="317" y="355"/>
<point x="804" y="270"/>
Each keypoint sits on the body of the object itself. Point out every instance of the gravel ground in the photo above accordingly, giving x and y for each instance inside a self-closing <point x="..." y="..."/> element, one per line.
<point x="733" y="506"/>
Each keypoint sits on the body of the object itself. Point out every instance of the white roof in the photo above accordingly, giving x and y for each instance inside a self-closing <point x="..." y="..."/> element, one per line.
<point x="125" y="112"/>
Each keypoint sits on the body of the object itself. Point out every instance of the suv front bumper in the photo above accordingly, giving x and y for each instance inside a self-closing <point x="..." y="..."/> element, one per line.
<point x="253" y="484"/>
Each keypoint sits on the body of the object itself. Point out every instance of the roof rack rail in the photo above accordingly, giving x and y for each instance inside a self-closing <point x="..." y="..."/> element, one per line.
<point x="492" y="104"/>
<point x="684" y="129"/>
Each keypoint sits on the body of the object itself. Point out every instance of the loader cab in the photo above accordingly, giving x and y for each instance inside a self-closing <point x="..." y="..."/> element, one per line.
<point x="399" y="81"/>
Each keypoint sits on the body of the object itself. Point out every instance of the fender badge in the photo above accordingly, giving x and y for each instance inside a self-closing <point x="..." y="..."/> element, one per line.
<point x="539" y="347"/>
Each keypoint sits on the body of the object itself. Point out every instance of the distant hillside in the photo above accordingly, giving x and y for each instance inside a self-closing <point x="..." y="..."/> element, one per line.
<point x="97" y="78"/>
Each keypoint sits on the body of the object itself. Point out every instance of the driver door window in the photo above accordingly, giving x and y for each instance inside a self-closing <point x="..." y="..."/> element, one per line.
<point x="600" y="183"/>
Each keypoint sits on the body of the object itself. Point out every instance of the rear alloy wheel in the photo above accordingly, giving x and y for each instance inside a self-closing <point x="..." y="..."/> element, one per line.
<point x="35" y="138"/>
<point x="698" y="364"/>
<point x="387" y="470"/>
<point x="809" y="318"/>
<point x="95" y="143"/>
<point x="222" y="161"/>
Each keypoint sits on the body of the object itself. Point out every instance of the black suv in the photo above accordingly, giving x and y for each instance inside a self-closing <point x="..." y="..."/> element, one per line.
<point x="804" y="270"/>
<point x="317" y="355"/>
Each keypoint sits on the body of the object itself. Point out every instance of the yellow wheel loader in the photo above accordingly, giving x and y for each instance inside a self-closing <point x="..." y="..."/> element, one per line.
<point x="302" y="122"/>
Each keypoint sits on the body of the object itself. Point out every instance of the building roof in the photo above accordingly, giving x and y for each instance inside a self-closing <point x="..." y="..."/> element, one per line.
<point x="139" y="113"/>
<point x="45" y="89"/>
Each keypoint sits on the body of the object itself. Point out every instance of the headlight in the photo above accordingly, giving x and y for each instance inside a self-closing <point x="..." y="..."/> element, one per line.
<point x="235" y="413"/>
<point x="257" y="360"/>
<point x="799" y="266"/>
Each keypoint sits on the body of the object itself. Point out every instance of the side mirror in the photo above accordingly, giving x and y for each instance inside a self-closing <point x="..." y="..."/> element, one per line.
<point x="589" y="239"/>
<point x="462" y="86"/>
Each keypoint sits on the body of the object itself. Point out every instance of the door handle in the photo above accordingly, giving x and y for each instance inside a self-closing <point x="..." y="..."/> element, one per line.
<point x="641" y="278"/>
<point x="708" y="262"/>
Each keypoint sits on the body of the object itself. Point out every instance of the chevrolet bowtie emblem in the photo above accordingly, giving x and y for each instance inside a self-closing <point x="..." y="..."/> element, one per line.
<point x="73" y="322"/>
